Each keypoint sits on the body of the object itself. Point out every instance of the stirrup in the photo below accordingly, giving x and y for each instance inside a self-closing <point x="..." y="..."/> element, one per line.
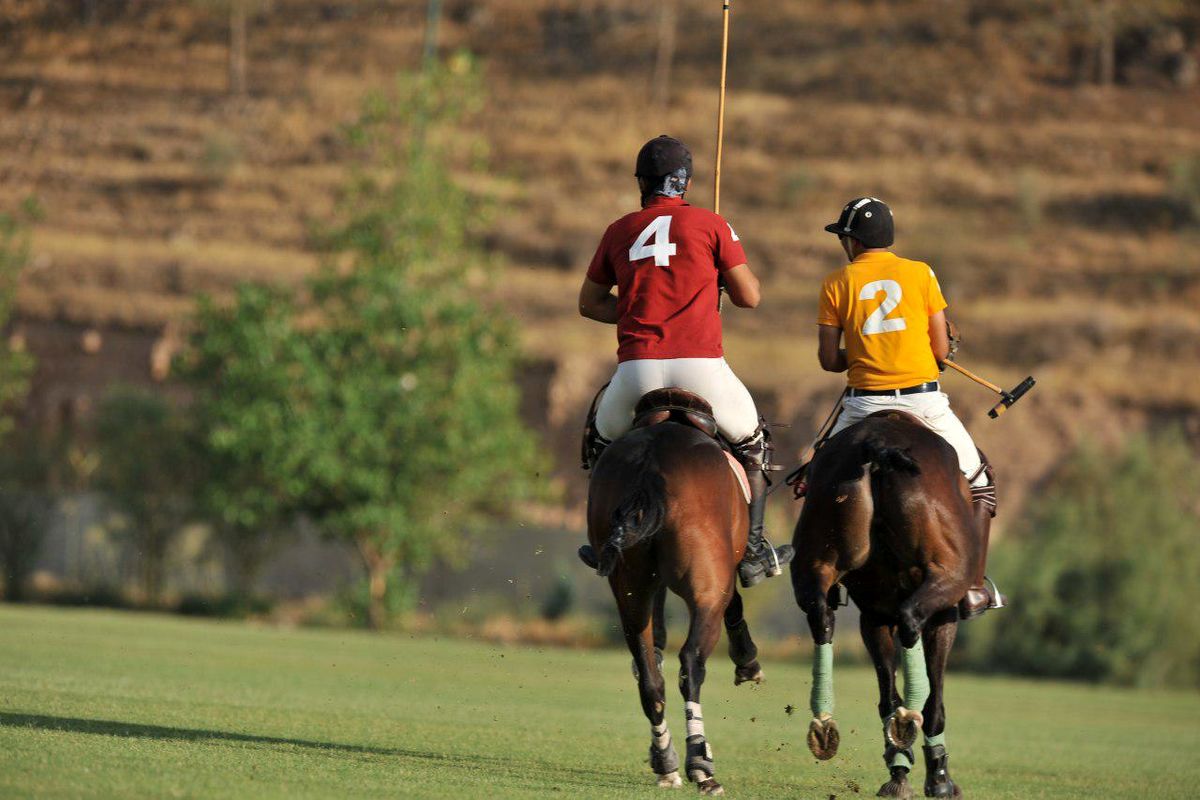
<point x="756" y="567"/>
<point x="1000" y="600"/>
<point x="969" y="609"/>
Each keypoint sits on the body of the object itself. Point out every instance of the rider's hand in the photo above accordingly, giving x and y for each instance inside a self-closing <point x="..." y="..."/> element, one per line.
<point x="955" y="339"/>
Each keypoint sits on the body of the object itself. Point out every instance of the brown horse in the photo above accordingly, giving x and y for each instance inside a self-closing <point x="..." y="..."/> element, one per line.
<point x="665" y="511"/>
<point x="888" y="515"/>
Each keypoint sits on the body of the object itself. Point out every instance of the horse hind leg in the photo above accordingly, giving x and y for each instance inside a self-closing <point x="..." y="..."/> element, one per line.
<point x="742" y="650"/>
<point x="938" y="637"/>
<point x="702" y="638"/>
<point x="878" y="635"/>
<point x="638" y="623"/>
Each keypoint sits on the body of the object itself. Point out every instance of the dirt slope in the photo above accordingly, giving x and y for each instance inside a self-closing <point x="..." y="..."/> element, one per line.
<point x="1056" y="211"/>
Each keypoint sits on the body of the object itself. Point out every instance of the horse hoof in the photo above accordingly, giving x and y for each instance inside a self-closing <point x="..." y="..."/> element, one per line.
<point x="710" y="788"/>
<point x="670" y="780"/>
<point x="751" y="673"/>
<point x="896" y="788"/>
<point x="902" y="727"/>
<point x="947" y="789"/>
<point x="823" y="737"/>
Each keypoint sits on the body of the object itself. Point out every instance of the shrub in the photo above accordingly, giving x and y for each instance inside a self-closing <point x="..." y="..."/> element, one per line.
<point x="1104" y="580"/>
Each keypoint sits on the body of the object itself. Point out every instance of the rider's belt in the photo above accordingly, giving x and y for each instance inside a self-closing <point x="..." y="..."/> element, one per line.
<point x="932" y="386"/>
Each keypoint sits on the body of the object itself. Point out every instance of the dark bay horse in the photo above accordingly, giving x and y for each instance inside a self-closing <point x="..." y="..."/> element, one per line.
<point x="665" y="511"/>
<point x="888" y="516"/>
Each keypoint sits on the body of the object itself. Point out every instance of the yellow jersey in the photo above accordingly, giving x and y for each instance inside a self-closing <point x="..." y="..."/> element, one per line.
<point x="883" y="304"/>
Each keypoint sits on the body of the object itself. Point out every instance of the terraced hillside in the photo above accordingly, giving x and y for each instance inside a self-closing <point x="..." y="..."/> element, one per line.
<point x="1061" y="214"/>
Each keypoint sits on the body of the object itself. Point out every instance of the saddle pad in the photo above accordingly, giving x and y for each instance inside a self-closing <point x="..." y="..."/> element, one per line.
<point x="739" y="472"/>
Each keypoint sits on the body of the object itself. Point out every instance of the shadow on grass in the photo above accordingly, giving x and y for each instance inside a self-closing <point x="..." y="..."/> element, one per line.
<point x="472" y="762"/>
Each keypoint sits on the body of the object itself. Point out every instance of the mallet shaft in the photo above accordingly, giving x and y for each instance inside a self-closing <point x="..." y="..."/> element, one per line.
<point x="721" y="108"/>
<point x="974" y="377"/>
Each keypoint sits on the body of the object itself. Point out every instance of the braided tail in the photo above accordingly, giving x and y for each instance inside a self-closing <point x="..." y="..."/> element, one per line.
<point x="640" y="514"/>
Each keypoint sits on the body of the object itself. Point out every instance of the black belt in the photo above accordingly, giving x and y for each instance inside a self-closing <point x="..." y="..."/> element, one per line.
<point x="932" y="386"/>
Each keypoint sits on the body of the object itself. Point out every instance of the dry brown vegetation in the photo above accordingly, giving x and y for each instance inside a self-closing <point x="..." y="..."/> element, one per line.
<point x="1057" y="210"/>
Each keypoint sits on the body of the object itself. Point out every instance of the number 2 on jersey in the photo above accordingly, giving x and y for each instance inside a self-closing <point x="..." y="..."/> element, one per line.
<point x="662" y="249"/>
<point x="876" y="322"/>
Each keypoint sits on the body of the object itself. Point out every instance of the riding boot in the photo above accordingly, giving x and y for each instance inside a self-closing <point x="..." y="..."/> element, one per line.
<point x="588" y="556"/>
<point x="761" y="559"/>
<point x="983" y="594"/>
<point x="592" y="447"/>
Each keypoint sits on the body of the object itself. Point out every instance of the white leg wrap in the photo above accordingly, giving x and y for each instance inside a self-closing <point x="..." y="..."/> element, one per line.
<point x="661" y="736"/>
<point x="695" y="720"/>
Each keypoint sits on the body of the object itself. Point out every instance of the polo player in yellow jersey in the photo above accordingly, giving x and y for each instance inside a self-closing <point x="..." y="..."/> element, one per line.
<point x="890" y="312"/>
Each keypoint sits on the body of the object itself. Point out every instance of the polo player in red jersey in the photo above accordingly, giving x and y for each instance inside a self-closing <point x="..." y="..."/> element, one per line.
<point x="667" y="261"/>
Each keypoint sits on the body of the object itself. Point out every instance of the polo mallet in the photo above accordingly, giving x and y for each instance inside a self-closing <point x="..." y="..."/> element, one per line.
<point x="721" y="133"/>
<point x="721" y="108"/>
<point x="1006" y="398"/>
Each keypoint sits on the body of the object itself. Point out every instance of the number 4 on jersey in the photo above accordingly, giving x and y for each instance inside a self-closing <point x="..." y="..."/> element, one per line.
<point x="662" y="249"/>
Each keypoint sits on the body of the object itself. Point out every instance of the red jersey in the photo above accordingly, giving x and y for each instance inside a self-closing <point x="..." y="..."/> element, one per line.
<point x="664" y="261"/>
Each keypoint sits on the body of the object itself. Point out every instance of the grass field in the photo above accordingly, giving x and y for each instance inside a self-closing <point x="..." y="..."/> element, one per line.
<point x="102" y="704"/>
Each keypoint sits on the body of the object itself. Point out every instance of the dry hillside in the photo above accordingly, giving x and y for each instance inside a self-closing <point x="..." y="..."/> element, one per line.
<point x="1054" y="191"/>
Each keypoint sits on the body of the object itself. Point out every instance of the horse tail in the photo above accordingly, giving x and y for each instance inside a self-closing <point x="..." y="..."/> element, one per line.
<point x="641" y="512"/>
<point x="886" y="459"/>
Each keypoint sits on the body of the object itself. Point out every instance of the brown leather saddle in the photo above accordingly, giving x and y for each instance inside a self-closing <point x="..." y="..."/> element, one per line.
<point x="675" y="405"/>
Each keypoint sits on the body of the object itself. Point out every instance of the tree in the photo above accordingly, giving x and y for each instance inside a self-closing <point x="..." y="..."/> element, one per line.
<point x="381" y="405"/>
<point x="1104" y="580"/>
<point x="25" y="509"/>
<point x="16" y="365"/>
<point x="240" y="364"/>
<point x="147" y="465"/>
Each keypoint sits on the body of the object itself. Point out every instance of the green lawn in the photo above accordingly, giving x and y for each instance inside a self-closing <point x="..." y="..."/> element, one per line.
<point x="123" y="705"/>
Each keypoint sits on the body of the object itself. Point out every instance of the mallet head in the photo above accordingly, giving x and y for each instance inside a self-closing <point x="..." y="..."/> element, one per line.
<point x="1008" y="398"/>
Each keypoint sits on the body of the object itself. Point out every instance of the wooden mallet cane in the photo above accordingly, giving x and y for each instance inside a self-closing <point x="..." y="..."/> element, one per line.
<point x="721" y="136"/>
<point x="721" y="108"/>
<point x="1006" y="398"/>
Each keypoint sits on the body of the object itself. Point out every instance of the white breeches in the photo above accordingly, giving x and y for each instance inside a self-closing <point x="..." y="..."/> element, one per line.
<point x="933" y="408"/>
<point x="711" y="378"/>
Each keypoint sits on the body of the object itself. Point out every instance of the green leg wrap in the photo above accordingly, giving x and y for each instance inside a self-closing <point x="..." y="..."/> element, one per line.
<point x="916" y="679"/>
<point x="936" y="740"/>
<point x="901" y="759"/>
<point x="821" y="699"/>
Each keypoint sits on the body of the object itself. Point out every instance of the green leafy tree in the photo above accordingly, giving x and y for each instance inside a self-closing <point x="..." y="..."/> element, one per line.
<point x="16" y="365"/>
<point x="383" y="404"/>
<point x="147" y="466"/>
<point x="241" y="363"/>
<point x="1105" y="579"/>
<point x="25" y="508"/>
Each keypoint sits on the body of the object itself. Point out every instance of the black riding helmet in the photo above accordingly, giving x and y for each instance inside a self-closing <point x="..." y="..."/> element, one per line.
<point x="663" y="156"/>
<point x="868" y="220"/>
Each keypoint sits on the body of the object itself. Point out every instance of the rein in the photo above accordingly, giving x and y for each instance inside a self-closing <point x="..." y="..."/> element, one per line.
<point x="796" y="476"/>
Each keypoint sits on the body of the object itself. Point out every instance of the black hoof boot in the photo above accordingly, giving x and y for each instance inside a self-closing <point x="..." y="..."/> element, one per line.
<point x="937" y="774"/>
<point x="588" y="556"/>
<point x="897" y="785"/>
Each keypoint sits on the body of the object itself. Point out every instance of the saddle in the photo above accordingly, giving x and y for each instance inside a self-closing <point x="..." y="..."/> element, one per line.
<point x="658" y="405"/>
<point x="676" y="405"/>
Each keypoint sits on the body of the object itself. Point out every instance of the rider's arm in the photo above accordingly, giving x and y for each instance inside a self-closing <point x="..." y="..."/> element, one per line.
<point x="829" y="352"/>
<point x="939" y="338"/>
<point x="596" y="301"/>
<point x="742" y="285"/>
